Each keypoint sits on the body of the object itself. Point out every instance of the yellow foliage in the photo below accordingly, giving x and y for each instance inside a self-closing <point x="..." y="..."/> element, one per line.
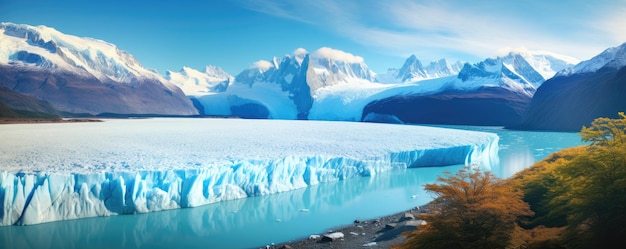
<point x="472" y="209"/>
<point x="605" y="131"/>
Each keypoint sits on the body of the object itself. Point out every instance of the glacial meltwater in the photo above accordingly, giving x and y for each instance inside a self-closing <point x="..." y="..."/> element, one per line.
<point x="258" y="221"/>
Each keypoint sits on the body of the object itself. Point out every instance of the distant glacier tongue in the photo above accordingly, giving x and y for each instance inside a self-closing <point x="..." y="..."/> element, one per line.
<point x="52" y="172"/>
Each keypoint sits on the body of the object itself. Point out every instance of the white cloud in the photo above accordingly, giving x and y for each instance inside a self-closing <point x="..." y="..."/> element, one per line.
<point x="613" y="24"/>
<point x="300" y="52"/>
<point x="262" y="65"/>
<point x="336" y="55"/>
<point x="438" y="29"/>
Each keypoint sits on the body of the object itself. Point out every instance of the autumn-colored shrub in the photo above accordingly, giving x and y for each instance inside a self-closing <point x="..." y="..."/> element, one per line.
<point x="472" y="209"/>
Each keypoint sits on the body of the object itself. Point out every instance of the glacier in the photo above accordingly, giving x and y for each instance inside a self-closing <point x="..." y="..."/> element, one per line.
<point x="53" y="172"/>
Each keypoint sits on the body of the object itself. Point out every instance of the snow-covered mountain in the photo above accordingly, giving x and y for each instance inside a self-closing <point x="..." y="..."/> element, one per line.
<point x="50" y="49"/>
<point x="413" y="70"/>
<point x="333" y="67"/>
<point x="194" y="83"/>
<point x="329" y="84"/>
<point x="276" y="89"/>
<point x="83" y="75"/>
<point x="520" y="70"/>
<point x="576" y="96"/>
<point x="614" y="57"/>
<point x="286" y="87"/>
<point x="327" y="67"/>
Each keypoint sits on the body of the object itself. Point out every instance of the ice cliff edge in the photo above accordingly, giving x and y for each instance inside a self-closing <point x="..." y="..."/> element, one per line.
<point x="38" y="196"/>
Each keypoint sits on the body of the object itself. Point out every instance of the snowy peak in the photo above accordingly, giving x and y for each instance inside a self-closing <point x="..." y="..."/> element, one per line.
<point x="336" y="66"/>
<point x="546" y="63"/>
<point x="279" y="70"/>
<point x="413" y="70"/>
<point x="328" y="66"/>
<point x="299" y="55"/>
<point x="522" y="70"/>
<point x="614" y="57"/>
<point x="194" y="82"/>
<point x="47" y="48"/>
<point x="443" y="68"/>
<point x="285" y="87"/>
<point x="216" y="72"/>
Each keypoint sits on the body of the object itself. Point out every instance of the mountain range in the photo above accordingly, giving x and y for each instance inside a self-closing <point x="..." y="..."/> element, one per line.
<point x="413" y="70"/>
<point x="521" y="89"/>
<point x="496" y="91"/>
<point x="329" y="84"/>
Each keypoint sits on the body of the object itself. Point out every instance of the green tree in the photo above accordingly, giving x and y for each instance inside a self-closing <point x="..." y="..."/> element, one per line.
<point x="472" y="209"/>
<point x="606" y="131"/>
<point x="593" y="187"/>
<point x="537" y="183"/>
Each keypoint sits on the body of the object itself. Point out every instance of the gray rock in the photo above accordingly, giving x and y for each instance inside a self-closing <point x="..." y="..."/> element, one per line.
<point x="314" y="237"/>
<point x="332" y="236"/>
<point x="412" y="223"/>
<point x="407" y="216"/>
<point x="391" y="225"/>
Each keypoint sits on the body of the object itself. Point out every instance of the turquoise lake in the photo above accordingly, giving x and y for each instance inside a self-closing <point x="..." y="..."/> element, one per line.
<point x="258" y="221"/>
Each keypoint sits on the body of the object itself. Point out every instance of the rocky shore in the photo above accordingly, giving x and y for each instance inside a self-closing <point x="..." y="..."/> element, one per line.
<point x="382" y="232"/>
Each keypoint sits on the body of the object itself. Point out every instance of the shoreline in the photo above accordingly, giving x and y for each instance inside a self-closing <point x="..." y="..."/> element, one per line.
<point x="382" y="232"/>
<point x="45" y="121"/>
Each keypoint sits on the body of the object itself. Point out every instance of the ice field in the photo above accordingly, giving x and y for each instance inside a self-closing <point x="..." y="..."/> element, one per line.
<point x="51" y="172"/>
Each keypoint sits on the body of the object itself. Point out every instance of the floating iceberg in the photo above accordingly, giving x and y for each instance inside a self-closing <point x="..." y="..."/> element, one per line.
<point x="53" y="172"/>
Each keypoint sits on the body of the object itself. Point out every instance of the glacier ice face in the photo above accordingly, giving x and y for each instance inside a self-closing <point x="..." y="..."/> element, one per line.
<point x="58" y="172"/>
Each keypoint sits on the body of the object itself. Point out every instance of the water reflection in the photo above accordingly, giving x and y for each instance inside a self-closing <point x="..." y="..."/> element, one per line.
<point x="515" y="155"/>
<point x="243" y="223"/>
<point x="520" y="149"/>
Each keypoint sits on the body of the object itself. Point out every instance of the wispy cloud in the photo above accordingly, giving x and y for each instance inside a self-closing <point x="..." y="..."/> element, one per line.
<point x="613" y="24"/>
<point x="437" y="29"/>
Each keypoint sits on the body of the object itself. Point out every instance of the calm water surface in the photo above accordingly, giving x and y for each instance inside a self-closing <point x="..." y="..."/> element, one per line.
<point x="259" y="221"/>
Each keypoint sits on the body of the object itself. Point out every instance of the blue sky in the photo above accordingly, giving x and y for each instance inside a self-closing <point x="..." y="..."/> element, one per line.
<point x="167" y="35"/>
